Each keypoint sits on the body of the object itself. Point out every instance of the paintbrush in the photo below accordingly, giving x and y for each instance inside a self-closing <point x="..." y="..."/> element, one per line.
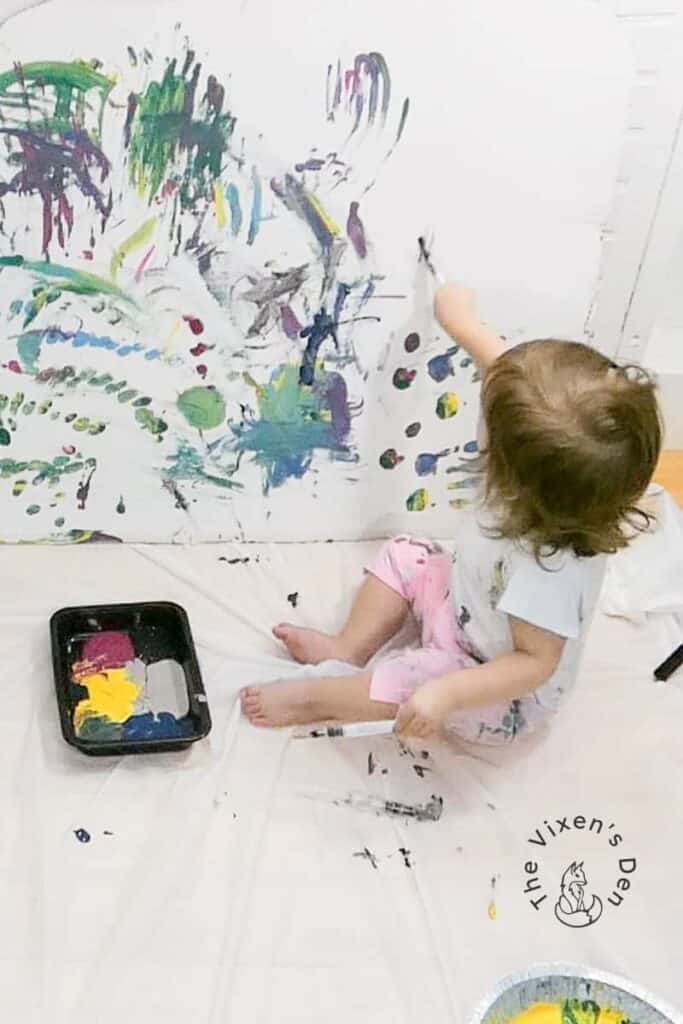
<point x="426" y="255"/>
<point x="431" y="811"/>
<point x="381" y="728"/>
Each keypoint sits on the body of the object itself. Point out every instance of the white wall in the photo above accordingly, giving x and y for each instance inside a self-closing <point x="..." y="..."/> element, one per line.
<point x="641" y="299"/>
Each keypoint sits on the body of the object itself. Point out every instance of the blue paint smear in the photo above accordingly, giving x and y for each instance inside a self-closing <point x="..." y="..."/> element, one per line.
<point x="163" y="726"/>
<point x="471" y="447"/>
<point x="30" y="342"/>
<point x="15" y="308"/>
<point x="256" y="204"/>
<point x="233" y="198"/>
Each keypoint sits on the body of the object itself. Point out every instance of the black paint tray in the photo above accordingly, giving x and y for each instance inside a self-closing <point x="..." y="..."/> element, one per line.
<point x="158" y="630"/>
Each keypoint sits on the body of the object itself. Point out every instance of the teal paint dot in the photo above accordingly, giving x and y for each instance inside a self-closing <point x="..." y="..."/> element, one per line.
<point x="33" y="510"/>
<point x="59" y="522"/>
<point x="5" y="437"/>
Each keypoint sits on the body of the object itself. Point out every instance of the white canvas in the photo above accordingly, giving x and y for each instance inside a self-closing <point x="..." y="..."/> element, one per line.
<point x="160" y="262"/>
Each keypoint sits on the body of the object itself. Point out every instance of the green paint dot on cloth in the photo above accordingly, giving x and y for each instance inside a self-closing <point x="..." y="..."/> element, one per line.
<point x="418" y="501"/>
<point x="33" y="510"/>
<point x="447" y="405"/>
<point x="5" y="437"/>
<point x="203" y="408"/>
<point x="59" y="522"/>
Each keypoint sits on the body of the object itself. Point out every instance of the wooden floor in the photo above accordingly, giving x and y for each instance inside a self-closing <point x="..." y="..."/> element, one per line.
<point x="670" y="473"/>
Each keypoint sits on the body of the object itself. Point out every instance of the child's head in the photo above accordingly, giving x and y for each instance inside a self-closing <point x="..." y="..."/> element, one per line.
<point x="572" y="443"/>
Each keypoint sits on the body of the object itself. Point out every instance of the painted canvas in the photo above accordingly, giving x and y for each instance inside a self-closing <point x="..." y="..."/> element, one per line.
<point x="215" y="322"/>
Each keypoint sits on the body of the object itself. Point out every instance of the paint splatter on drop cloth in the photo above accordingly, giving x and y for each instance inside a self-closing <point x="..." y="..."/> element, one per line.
<point x="412" y="342"/>
<point x="413" y="429"/>
<point x="82" y="836"/>
<point x="293" y="599"/>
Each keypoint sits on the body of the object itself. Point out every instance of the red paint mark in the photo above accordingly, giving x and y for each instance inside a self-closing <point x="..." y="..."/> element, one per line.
<point x="88" y="255"/>
<point x="202" y="370"/>
<point x="195" y="324"/>
<point x="13" y="365"/>
<point x="199" y="349"/>
<point x="69" y="449"/>
<point x="139" y="273"/>
<point x="167" y="189"/>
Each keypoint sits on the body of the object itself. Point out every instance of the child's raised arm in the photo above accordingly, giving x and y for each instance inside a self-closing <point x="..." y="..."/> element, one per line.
<point x="455" y="310"/>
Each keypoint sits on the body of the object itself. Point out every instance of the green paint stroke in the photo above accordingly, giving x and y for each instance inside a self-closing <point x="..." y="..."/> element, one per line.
<point x="41" y="470"/>
<point x="166" y="139"/>
<point x="189" y="464"/>
<point x="142" y="236"/>
<point x="67" y="280"/>
<point x="69" y="82"/>
<point x="202" y="407"/>
<point x="294" y="422"/>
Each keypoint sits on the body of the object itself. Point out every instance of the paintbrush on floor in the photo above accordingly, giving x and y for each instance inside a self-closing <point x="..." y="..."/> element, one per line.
<point x="354" y="729"/>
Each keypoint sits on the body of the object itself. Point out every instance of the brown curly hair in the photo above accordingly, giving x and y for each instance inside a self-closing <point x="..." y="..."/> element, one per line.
<point x="573" y="441"/>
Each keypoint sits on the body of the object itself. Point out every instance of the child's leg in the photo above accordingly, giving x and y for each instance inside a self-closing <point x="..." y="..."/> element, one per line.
<point x="377" y="614"/>
<point x="302" y="701"/>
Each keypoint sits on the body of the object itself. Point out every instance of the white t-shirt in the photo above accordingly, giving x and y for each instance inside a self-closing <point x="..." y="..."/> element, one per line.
<point x="493" y="579"/>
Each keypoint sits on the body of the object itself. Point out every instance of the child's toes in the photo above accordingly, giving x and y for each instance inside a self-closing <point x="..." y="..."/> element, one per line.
<point x="251" y="701"/>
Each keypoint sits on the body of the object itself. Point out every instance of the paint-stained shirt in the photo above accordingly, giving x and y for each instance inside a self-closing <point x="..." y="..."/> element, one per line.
<point x="493" y="579"/>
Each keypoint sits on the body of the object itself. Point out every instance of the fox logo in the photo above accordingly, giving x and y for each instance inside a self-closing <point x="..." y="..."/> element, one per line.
<point x="571" y="907"/>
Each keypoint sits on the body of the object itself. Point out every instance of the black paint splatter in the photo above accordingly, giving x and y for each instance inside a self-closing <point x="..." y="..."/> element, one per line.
<point x="84" y="486"/>
<point x="371" y="763"/>
<point x="82" y="835"/>
<point x="420" y="770"/>
<point x="293" y="599"/>
<point x="390" y="459"/>
<point x="121" y="507"/>
<point x="180" y="500"/>
<point x="367" y="855"/>
<point x="406" y="856"/>
<point x="235" y="561"/>
<point x="412" y="342"/>
<point x="413" y="429"/>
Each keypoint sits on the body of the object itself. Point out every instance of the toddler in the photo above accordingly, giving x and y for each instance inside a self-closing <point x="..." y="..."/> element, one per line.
<point x="568" y="444"/>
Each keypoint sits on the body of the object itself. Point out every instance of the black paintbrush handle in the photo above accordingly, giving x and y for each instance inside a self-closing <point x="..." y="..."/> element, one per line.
<point x="668" y="667"/>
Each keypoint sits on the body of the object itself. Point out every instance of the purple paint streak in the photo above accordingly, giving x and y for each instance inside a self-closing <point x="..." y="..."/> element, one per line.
<point x="48" y="169"/>
<point x="356" y="232"/>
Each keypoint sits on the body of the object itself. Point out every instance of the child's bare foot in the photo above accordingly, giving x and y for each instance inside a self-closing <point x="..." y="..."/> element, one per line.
<point x="309" y="647"/>
<point x="280" y="703"/>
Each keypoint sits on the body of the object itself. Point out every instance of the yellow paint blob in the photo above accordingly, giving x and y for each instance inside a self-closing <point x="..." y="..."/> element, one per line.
<point x="447" y="405"/>
<point x="219" y="200"/>
<point x="493" y="913"/>
<point x="111" y="695"/>
<point x="539" y="1013"/>
<point x="551" y="1013"/>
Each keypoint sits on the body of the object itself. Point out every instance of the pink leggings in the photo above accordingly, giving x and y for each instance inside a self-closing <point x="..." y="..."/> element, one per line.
<point x="420" y="571"/>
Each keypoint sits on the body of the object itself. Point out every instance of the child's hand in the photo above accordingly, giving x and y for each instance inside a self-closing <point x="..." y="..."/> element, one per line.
<point x="424" y="714"/>
<point x="454" y="308"/>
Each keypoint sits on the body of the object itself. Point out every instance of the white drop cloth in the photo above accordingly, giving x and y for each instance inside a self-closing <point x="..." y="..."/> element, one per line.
<point x="224" y="895"/>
